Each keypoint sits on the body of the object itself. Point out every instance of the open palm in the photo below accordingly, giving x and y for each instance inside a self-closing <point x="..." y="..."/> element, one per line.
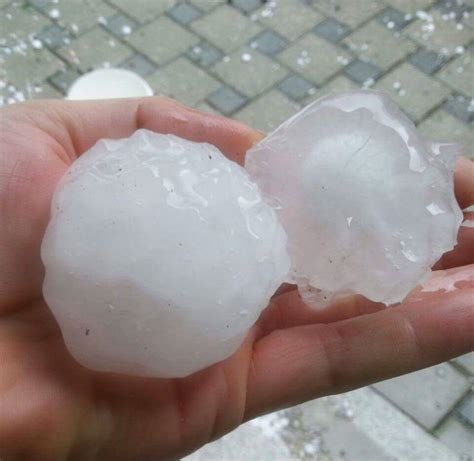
<point x="52" y="408"/>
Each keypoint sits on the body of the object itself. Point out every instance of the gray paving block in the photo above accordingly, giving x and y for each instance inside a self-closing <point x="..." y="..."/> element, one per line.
<point x="394" y="19"/>
<point x="19" y="23"/>
<point x="226" y="27"/>
<point x="362" y="72"/>
<point x="351" y="12"/>
<point x="459" y="73"/>
<point x="315" y="58"/>
<point x="454" y="8"/>
<point x="427" y="395"/>
<point x="457" y="436"/>
<point x="249" y="71"/>
<point x="246" y="6"/>
<point x="204" y="54"/>
<point x="466" y="409"/>
<point x="63" y="79"/>
<point x="162" y="39"/>
<point x="461" y="107"/>
<point x="269" y="42"/>
<point x="139" y="64"/>
<point x="290" y="18"/>
<point x="378" y="45"/>
<point x="267" y="111"/>
<point x="143" y="10"/>
<point x="466" y="361"/>
<point x="332" y="30"/>
<point x="184" y="13"/>
<point x="183" y="81"/>
<point x="296" y="87"/>
<point x="226" y="100"/>
<point x="120" y="25"/>
<point x="427" y="61"/>
<point x="93" y="49"/>
<point x="55" y="36"/>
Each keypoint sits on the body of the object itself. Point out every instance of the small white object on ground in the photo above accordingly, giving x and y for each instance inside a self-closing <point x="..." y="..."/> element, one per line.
<point x="368" y="203"/>
<point x="160" y="255"/>
<point x="108" y="84"/>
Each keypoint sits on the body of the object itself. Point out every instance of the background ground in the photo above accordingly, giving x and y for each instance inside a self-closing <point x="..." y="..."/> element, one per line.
<point x="260" y="62"/>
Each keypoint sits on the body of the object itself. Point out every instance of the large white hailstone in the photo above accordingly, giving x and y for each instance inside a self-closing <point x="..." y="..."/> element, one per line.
<point x="366" y="201"/>
<point x="160" y="255"/>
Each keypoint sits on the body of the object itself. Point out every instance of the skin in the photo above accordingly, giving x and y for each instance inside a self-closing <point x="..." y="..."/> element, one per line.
<point x="52" y="408"/>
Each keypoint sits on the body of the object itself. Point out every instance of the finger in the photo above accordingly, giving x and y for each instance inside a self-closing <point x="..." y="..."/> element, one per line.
<point x="86" y="122"/>
<point x="464" y="182"/>
<point x="305" y="362"/>
<point x="463" y="253"/>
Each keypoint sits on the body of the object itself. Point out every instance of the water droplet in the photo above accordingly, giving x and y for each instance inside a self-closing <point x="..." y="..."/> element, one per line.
<point x="349" y="220"/>
<point x="126" y="30"/>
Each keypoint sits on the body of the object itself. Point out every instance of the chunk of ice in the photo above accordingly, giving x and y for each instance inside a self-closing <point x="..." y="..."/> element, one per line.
<point x="160" y="255"/>
<point x="366" y="201"/>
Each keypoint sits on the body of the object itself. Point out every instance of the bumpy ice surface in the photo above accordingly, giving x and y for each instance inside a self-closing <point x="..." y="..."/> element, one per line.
<point x="160" y="254"/>
<point x="366" y="201"/>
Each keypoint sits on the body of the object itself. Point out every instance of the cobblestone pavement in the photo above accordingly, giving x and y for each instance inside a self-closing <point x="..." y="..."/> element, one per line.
<point x="260" y="62"/>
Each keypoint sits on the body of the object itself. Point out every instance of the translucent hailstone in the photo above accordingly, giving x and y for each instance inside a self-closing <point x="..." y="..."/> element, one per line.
<point x="366" y="201"/>
<point x="160" y="254"/>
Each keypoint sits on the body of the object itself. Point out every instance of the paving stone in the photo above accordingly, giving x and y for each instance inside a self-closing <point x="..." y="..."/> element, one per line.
<point x="63" y="79"/>
<point x="4" y="3"/>
<point x="45" y="91"/>
<point x="226" y="100"/>
<point x="75" y="15"/>
<point x="120" y="25"/>
<point x="18" y="68"/>
<point x="268" y="111"/>
<point x="162" y="40"/>
<point x="18" y="23"/>
<point x="459" y="74"/>
<point x="454" y="8"/>
<point x="226" y="27"/>
<point x="378" y="45"/>
<point x="139" y="64"/>
<point x="440" y="35"/>
<point x="143" y="10"/>
<point x="362" y="72"/>
<point x="184" y="81"/>
<point x="332" y="30"/>
<point x="290" y="18"/>
<point x="93" y="49"/>
<point x="315" y="58"/>
<point x="461" y="107"/>
<point x="442" y="383"/>
<point x="207" y="5"/>
<point x="351" y="12"/>
<point x="54" y="36"/>
<point x="442" y="126"/>
<point x="269" y="42"/>
<point x="394" y="19"/>
<point x="246" y="6"/>
<point x="416" y="93"/>
<point x="466" y="361"/>
<point x="204" y="54"/>
<point x="249" y="71"/>
<point x="296" y="87"/>
<point x="184" y="13"/>
<point x="427" y="61"/>
<point x="411" y="6"/>
<point x="205" y="107"/>
<point x="457" y="436"/>
<point x="466" y="409"/>
<point x="337" y="84"/>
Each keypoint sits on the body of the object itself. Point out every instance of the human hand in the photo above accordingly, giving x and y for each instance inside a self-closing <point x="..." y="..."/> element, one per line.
<point x="52" y="408"/>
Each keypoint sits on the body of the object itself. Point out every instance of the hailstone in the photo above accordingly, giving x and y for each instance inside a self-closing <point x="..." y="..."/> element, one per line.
<point x="366" y="201"/>
<point x="160" y="254"/>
